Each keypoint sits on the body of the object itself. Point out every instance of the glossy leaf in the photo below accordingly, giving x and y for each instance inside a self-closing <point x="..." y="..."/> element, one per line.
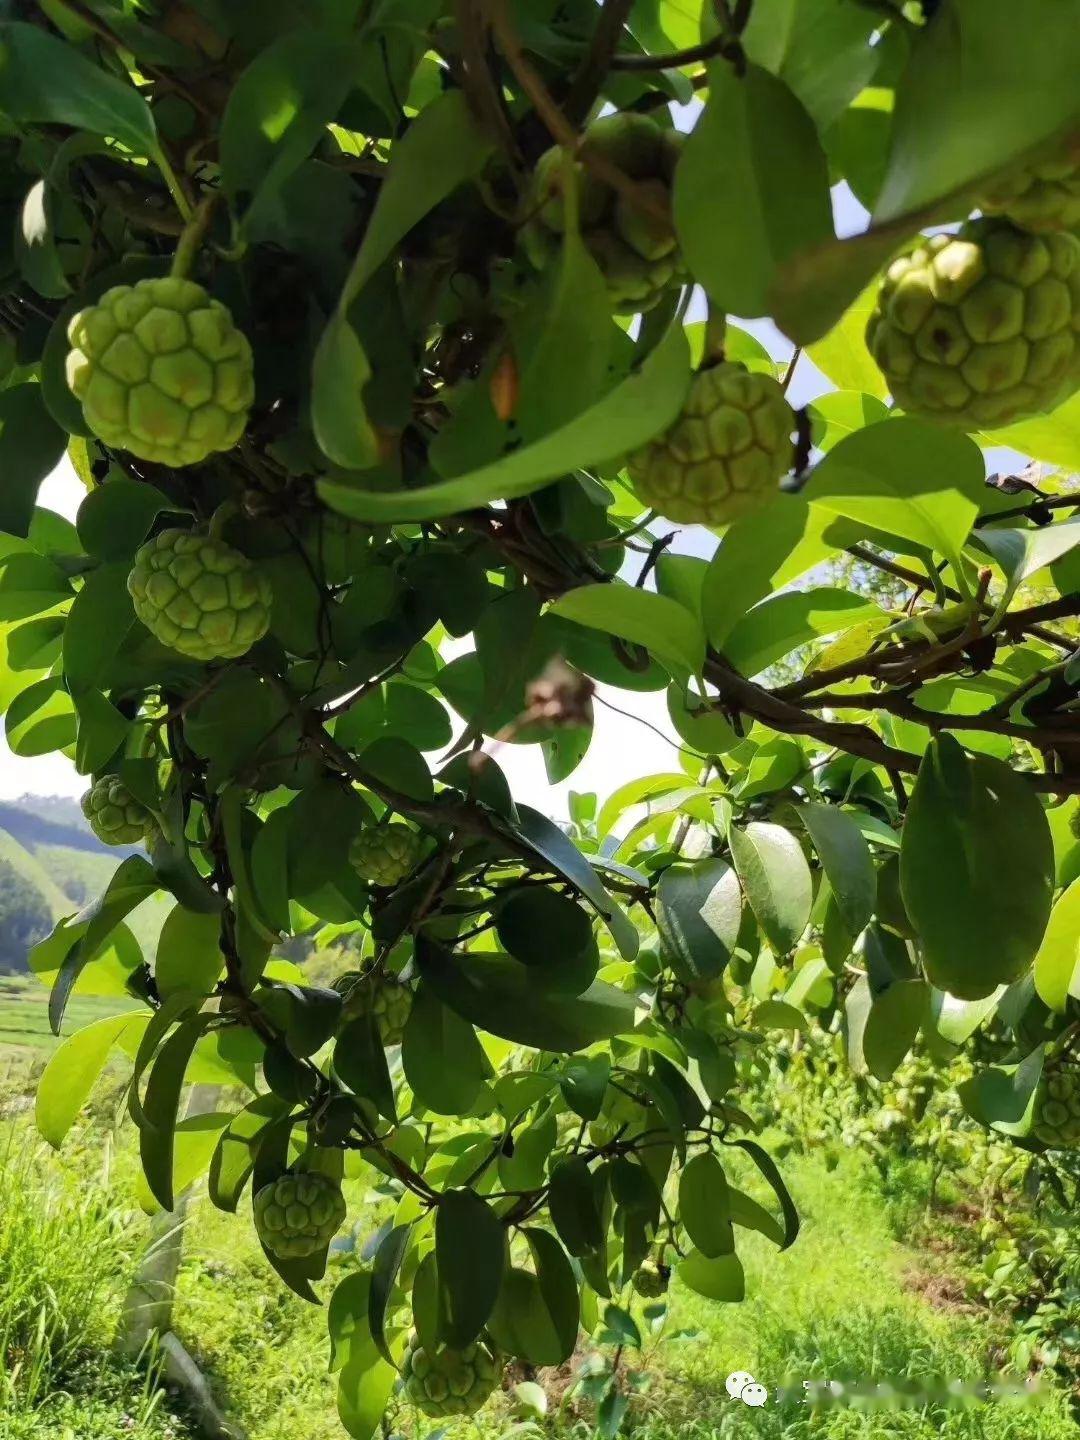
<point x="775" y="879"/>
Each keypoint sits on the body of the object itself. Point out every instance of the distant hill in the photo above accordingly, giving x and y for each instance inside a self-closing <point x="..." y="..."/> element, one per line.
<point x="51" y="864"/>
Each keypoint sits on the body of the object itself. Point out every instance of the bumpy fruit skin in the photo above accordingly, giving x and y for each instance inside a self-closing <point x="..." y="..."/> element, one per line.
<point x="387" y="999"/>
<point x="649" y="1280"/>
<point x="385" y="854"/>
<point x="199" y="595"/>
<point x="448" y="1382"/>
<point x="636" y="249"/>
<point x="298" y="1215"/>
<point x="1074" y="823"/>
<point x="723" y="456"/>
<point x="1056" y="1120"/>
<point x="114" y="815"/>
<point x="981" y="328"/>
<point x="161" y="371"/>
<point x="1040" y="197"/>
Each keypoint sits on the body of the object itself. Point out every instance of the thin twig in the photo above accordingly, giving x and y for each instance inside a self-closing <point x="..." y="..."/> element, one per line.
<point x="586" y="84"/>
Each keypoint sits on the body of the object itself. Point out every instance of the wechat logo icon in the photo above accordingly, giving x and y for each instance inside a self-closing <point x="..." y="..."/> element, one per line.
<point x="742" y="1386"/>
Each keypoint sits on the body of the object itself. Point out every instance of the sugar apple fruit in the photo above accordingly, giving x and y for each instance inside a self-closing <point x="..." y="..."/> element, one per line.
<point x="385" y="854"/>
<point x="724" y="455"/>
<point x="636" y="249"/>
<point x="448" y="1382"/>
<point x="161" y="371"/>
<point x="1041" y="196"/>
<point x="981" y="328"/>
<point x="382" y="996"/>
<point x="114" y="815"/>
<point x="199" y="595"/>
<point x="650" y="1280"/>
<point x="1056" y="1119"/>
<point x="299" y="1214"/>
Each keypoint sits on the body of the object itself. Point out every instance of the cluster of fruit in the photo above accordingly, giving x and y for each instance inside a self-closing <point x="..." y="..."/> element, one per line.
<point x="981" y="328"/>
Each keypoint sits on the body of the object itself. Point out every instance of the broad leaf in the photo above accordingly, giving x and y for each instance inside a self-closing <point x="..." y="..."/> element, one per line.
<point x="775" y="879"/>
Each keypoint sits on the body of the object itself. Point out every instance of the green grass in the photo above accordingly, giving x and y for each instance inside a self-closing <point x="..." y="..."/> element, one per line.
<point x="839" y="1304"/>
<point x="24" y="1015"/>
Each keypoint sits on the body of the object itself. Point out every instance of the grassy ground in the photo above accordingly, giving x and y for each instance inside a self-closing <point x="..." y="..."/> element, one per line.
<point x="24" y="1016"/>
<point x="846" y="1302"/>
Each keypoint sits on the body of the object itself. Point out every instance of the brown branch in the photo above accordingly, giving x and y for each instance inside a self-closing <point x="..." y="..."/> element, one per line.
<point x="719" y="45"/>
<point x="586" y="84"/>
<point x="558" y="126"/>
<point x="480" y="86"/>
<point x="933" y="720"/>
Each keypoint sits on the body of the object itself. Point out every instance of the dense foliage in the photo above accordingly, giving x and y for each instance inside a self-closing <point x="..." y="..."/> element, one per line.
<point x="366" y="327"/>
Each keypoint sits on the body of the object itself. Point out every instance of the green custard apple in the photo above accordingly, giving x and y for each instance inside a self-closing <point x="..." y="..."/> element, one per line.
<point x="114" y="815"/>
<point x="299" y="1214"/>
<point x="447" y="1382"/>
<point x="636" y="248"/>
<point x="161" y="371"/>
<point x="199" y="595"/>
<point x="385" y="854"/>
<point x="650" y="1280"/>
<point x="725" y="454"/>
<point x="981" y="328"/>
<point x="1041" y="196"/>
<point x="1056" y="1120"/>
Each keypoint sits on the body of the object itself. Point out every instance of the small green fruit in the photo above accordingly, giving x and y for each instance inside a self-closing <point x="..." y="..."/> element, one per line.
<point x="114" y="815"/>
<point x="1056" y="1117"/>
<point x="385" y="854"/>
<point x="299" y="1214"/>
<point x="1039" y="197"/>
<point x="650" y="1280"/>
<point x="161" y="371"/>
<point x="446" y="1382"/>
<point x="199" y="595"/>
<point x="981" y="328"/>
<point x="633" y="244"/>
<point x="725" y="454"/>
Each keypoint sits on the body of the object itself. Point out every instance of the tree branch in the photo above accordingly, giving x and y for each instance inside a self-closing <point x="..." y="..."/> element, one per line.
<point x="586" y="84"/>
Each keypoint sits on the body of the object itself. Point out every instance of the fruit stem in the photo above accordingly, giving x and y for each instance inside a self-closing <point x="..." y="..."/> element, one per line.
<point x="220" y="518"/>
<point x="169" y="175"/>
<point x="715" y="338"/>
<point x="187" y="248"/>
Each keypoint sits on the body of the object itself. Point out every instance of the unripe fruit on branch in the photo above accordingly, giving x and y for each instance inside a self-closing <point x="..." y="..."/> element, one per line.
<point x="114" y="815"/>
<point x="199" y="595"/>
<point x="981" y="328"/>
<point x="161" y="371"/>
<point x="446" y="1382"/>
<point x="298" y="1215"/>
<point x="385" y="854"/>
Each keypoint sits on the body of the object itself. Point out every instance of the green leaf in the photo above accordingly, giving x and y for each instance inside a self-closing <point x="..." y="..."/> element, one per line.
<point x="916" y="480"/>
<point x="768" y="1169"/>
<point x="74" y="943"/>
<point x="100" y="731"/>
<point x="891" y="1026"/>
<point x="698" y="915"/>
<point x="752" y="1216"/>
<point x="575" y="1202"/>
<point x="957" y="1020"/>
<point x="782" y="623"/>
<point x="31" y="446"/>
<point x="822" y="50"/>
<point x="720" y="1278"/>
<point x="347" y="1321"/>
<point x="45" y="81"/>
<point x="838" y="413"/>
<point x="157" y="1134"/>
<point x="384" y="1274"/>
<point x="976" y="870"/>
<point x="843" y="356"/>
<point x="704" y="1208"/>
<point x="763" y="551"/>
<point x="29" y="584"/>
<point x="1022" y="553"/>
<point x="189" y="952"/>
<point x="470" y="1249"/>
<point x="363" y="1390"/>
<point x="965" y="106"/>
<point x="442" y="148"/>
<point x="502" y="996"/>
<point x="567" y="860"/>
<point x="543" y="928"/>
<point x="97" y="623"/>
<point x="441" y="1056"/>
<point x="656" y="622"/>
<point x="626" y="417"/>
<point x="751" y="189"/>
<point x="69" y="1077"/>
<point x="776" y="880"/>
<point x="114" y="519"/>
<point x="360" y="1063"/>
<point x="41" y="719"/>
<point x="277" y="112"/>
<point x="845" y="858"/>
<point x="558" y="1287"/>
<point x="234" y="1158"/>
<point x="1057" y="964"/>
